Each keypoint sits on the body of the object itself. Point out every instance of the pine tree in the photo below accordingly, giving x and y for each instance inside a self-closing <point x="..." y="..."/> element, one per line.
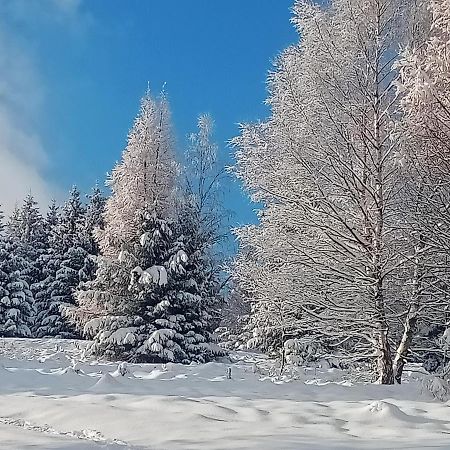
<point x="71" y="223"/>
<point x="13" y="224"/>
<point x="93" y="223"/>
<point x="16" y="299"/>
<point x="151" y="300"/>
<point x="2" y="223"/>
<point x="48" y="316"/>
<point x="94" y="220"/>
<point x="171" y="303"/>
<point x="23" y="245"/>
<point x="143" y="179"/>
<point x="197" y="285"/>
<point x="31" y="238"/>
<point x="65" y="267"/>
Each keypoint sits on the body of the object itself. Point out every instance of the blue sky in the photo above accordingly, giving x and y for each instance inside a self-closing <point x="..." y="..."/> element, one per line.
<point x="77" y="68"/>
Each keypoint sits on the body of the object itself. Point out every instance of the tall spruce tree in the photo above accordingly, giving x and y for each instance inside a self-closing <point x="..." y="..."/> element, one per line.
<point x="138" y="307"/>
<point x="143" y="179"/>
<point x="48" y="317"/>
<point x="72" y="259"/>
<point x="31" y="238"/>
<point x="93" y="223"/>
<point x="2" y="219"/>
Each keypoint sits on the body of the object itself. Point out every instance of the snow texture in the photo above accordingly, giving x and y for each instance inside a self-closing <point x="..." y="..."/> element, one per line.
<point x="51" y="397"/>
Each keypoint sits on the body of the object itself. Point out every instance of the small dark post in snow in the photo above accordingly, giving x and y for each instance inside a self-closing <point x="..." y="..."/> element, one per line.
<point x="229" y="373"/>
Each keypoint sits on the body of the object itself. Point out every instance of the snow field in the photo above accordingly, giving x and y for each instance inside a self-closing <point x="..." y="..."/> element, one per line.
<point x="52" y="397"/>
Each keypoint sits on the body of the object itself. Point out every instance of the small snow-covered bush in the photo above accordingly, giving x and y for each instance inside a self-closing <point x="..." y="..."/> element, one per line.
<point x="302" y="351"/>
<point x="438" y="387"/>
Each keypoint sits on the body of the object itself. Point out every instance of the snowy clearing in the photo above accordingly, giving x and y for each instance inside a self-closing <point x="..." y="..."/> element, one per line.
<point x="52" y="398"/>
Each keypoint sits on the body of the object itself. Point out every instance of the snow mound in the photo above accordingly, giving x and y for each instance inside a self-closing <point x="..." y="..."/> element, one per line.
<point x="386" y="411"/>
<point x="122" y="371"/>
<point x="105" y="384"/>
<point x="67" y="371"/>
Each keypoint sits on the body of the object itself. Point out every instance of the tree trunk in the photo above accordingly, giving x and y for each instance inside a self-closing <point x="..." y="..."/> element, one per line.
<point x="384" y="356"/>
<point x="405" y="344"/>
<point x="410" y="325"/>
<point x="384" y="360"/>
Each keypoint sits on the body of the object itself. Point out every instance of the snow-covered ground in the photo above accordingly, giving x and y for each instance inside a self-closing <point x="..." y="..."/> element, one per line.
<point x="51" y="398"/>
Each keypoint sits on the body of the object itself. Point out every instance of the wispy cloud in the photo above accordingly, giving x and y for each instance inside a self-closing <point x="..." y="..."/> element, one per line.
<point x="67" y="12"/>
<point x="23" y="159"/>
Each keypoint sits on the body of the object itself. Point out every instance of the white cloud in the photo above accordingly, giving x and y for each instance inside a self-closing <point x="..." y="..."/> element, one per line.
<point x="66" y="12"/>
<point x="23" y="160"/>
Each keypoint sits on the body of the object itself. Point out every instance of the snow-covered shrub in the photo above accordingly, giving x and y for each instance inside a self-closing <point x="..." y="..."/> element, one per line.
<point x="438" y="387"/>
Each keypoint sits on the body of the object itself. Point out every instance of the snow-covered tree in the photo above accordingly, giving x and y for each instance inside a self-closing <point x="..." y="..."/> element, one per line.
<point x="205" y="179"/>
<point x="48" y="317"/>
<point x="93" y="222"/>
<point x="145" y="302"/>
<point x="202" y="223"/>
<point x="324" y="166"/>
<point x="2" y="218"/>
<point x="424" y="88"/>
<point x="93" y="219"/>
<point x="145" y="176"/>
<point x="13" y="224"/>
<point x="173" y="295"/>
<point x="71" y="221"/>
<point x="143" y="180"/>
<point x="26" y="228"/>
<point x="65" y="264"/>
<point x="16" y="299"/>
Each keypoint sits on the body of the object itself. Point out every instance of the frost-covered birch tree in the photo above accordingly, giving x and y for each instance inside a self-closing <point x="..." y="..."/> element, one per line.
<point x="325" y="167"/>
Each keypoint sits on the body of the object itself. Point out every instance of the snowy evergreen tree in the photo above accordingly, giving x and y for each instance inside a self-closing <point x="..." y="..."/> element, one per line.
<point x="16" y="299"/>
<point x="203" y="223"/>
<point x="145" y="178"/>
<point x="94" y="219"/>
<point x="25" y="227"/>
<point x="71" y="222"/>
<point x="93" y="223"/>
<point x="2" y="218"/>
<point x="48" y="316"/>
<point x="198" y="284"/>
<point x="31" y="238"/>
<point x="144" y="303"/>
<point x="65" y="265"/>
<point x="168" y="316"/>
<point x="23" y="244"/>
<point x="13" y="224"/>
